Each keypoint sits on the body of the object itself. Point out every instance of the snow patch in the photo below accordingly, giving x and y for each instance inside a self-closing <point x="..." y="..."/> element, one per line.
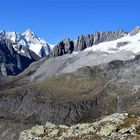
<point x="111" y="46"/>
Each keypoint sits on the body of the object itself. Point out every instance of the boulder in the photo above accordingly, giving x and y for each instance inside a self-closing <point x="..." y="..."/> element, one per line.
<point x="107" y="130"/>
<point x="33" y="133"/>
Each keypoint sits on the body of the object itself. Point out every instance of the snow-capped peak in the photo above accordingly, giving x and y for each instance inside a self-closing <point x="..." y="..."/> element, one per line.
<point x="15" y="37"/>
<point x="30" y="36"/>
<point x="38" y="45"/>
<point x="29" y="40"/>
<point x="28" y="32"/>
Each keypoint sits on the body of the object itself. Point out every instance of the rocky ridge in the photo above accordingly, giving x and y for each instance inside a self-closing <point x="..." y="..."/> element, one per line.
<point x="84" y="41"/>
<point x="116" y="126"/>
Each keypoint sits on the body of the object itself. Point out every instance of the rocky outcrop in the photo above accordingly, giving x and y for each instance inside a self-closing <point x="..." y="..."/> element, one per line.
<point x="11" y="62"/>
<point x="115" y="126"/>
<point x="135" y="31"/>
<point x="64" y="47"/>
<point x="83" y="41"/>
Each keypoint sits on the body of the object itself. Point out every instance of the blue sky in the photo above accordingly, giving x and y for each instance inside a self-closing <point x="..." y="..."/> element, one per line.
<point x="55" y="20"/>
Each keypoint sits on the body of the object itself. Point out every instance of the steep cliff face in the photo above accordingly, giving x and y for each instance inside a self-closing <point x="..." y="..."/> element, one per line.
<point x="11" y="62"/>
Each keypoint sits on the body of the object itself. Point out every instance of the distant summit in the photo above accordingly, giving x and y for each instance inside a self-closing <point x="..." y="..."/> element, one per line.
<point x="29" y="40"/>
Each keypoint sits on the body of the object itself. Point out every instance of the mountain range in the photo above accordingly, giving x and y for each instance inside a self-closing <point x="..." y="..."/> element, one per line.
<point x="31" y="47"/>
<point x="67" y="83"/>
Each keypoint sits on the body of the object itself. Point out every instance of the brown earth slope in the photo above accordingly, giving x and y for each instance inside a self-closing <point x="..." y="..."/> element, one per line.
<point x="81" y="96"/>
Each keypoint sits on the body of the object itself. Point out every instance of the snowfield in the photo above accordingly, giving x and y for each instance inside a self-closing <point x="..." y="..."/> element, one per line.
<point x="111" y="46"/>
